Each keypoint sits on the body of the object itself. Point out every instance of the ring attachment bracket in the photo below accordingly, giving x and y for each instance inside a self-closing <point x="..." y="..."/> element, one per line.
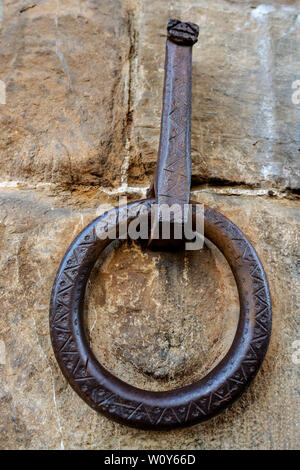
<point x="205" y="398"/>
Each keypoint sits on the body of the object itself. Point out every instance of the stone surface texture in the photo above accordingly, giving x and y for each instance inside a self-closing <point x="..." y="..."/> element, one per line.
<point x="79" y="128"/>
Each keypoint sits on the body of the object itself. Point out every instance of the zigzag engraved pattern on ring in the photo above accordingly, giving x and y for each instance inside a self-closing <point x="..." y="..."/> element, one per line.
<point x="65" y="331"/>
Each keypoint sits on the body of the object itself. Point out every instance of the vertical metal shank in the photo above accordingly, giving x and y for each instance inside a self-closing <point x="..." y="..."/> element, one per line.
<point x="173" y="174"/>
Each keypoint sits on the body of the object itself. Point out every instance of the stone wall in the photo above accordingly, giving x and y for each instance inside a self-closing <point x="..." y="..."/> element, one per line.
<point x="79" y="128"/>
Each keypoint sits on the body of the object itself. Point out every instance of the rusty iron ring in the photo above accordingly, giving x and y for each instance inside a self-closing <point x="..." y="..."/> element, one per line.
<point x="98" y="387"/>
<point x="182" y="406"/>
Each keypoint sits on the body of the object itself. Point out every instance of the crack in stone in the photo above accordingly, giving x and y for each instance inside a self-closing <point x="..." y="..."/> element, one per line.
<point x="129" y="80"/>
<point x="221" y="189"/>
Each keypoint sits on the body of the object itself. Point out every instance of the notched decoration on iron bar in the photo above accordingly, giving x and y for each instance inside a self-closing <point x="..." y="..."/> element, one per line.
<point x="99" y="388"/>
<point x="182" y="33"/>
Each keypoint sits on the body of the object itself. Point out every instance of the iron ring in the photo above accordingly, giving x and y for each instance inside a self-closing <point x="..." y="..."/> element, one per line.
<point x="182" y="406"/>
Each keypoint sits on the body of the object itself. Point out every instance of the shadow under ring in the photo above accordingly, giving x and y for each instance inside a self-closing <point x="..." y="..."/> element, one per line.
<point x="179" y="407"/>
